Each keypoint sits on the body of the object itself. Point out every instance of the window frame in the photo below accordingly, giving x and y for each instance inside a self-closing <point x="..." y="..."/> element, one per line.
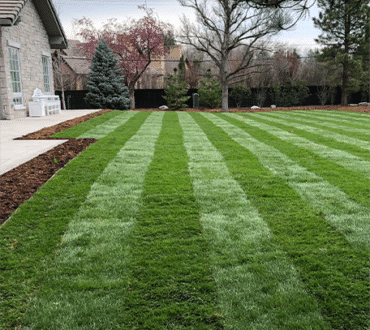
<point x="15" y="76"/>
<point x="45" y="61"/>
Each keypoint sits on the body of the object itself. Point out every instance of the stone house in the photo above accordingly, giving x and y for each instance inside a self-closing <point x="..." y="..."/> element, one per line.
<point x="29" y="29"/>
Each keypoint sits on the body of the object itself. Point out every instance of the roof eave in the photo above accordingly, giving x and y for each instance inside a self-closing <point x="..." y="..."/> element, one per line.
<point x="54" y="29"/>
<point x="6" y="22"/>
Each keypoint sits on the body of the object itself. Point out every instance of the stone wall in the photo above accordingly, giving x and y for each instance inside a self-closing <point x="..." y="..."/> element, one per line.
<point x="33" y="40"/>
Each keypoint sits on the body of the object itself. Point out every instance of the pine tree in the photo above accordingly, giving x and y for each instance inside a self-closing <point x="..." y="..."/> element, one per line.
<point x="181" y="66"/>
<point x="105" y="82"/>
<point x="344" y="23"/>
<point x="176" y="92"/>
<point x="210" y="91"/>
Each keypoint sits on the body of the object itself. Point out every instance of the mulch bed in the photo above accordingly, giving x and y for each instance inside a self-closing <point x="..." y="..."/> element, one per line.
<point x="20" y="183"/>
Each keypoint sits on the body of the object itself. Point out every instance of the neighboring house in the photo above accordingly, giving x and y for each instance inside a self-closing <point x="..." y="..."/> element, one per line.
<point x="70" y="67"/>
<point x="29" y="29"/>
<point x="173" y="59"/>
<point x="156" y="74"/>
<point x="75" y="67"/>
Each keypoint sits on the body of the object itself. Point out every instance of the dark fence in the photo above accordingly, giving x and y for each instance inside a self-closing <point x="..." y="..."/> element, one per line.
<point x="74" y="99"/>
<point x="152" y="98"/>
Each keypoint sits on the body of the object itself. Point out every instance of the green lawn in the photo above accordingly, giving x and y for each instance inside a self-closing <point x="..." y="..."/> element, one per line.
<point x="177" y="220"/>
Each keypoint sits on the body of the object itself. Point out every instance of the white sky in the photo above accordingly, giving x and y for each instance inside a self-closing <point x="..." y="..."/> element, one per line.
<point x="169" y="11"/>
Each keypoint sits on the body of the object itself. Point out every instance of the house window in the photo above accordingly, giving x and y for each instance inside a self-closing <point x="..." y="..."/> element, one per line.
<point x="46" y="73"/>
<point x="15" y="74"/>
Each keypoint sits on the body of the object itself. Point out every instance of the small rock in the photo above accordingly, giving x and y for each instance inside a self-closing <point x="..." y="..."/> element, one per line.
<point x="255" y="107"/>
<point x="364" y="103"/>
<point x="353" y="105"/>
<point x="163" y="107"/>
<point x="273" y="106"/>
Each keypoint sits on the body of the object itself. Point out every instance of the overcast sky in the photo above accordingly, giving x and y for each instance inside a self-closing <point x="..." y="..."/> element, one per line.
<point x="301" y="36"/>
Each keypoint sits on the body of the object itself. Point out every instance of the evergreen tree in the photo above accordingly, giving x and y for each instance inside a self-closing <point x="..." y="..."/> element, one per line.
<point x="176" y="92"/>
<point x="105" y="82"/>
<point x="210" y="91"/>
<point x="344" y="22"/>
<point x="181" y="67"/>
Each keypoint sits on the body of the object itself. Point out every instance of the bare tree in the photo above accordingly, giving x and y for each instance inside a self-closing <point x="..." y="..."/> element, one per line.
<point x="193" y="61"/>
<point x="63" y="79"/>
<point x="222" y="29"/>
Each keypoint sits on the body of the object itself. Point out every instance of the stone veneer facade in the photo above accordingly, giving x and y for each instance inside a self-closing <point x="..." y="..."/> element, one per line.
<point x="31" y="37"/>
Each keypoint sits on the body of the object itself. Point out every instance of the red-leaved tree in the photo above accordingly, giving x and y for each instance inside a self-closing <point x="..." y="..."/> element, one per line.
<point x="136" y="45"/>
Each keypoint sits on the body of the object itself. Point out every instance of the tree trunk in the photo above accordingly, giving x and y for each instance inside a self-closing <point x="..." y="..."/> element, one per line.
<point x="344" y="83"/>
<point x="224" y="82"/>
<point x="63" y="96"/>
<point x="346" y="54"/>
<point x="225" y="96"/>
<point x="132" y="97"/>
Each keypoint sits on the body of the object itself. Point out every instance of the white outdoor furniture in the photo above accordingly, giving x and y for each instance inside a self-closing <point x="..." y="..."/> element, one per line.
<point x="44" y="104"/>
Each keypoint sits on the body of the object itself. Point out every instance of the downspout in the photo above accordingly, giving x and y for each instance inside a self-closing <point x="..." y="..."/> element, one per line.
<point x="3" y="113"/>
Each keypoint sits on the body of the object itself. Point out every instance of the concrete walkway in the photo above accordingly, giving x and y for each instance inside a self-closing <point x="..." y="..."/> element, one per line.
<point x="14" y="153"/>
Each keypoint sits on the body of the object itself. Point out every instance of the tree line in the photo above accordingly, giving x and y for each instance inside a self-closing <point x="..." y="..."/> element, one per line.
<point x="236" y="36"/>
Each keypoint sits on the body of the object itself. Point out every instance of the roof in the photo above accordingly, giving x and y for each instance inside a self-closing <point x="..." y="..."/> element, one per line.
<point x="80" y="65"/>
<point x="73" y="56"/>
<point x="73" y="48"/>
<point x="11" y="13"/>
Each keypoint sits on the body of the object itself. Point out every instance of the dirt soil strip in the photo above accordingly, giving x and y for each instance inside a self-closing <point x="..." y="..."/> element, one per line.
<point x="20" y="183"/>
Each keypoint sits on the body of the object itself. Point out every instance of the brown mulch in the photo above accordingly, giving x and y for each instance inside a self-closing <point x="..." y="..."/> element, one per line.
<point x="20" y="183"/>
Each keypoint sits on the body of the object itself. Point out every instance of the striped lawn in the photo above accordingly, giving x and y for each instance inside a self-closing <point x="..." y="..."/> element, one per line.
<point x="77" y="287"/>
<point x="30" y="236"/>
<point x="258" y="287"/>
<point x="349" y="172"/>
<point x="171" y="284"/>
<point x="332" y="270"/>
<point x="197" y="221"/>
<point x="348" y="128"/>
<point x="351" y="119"/>
<point x="350" y="144"/>
<point x="304" y="139"/>
<point x="342" y="212"/>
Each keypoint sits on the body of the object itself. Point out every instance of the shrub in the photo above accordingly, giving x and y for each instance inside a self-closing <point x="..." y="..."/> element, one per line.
<point x="289" y="95"/>
<point x="176" y="92"/>
<point x="302" y="91"/>
<point x="276" y="95"/>
<point x="261" y="97"/>
<point x="239" y="93"/>
<point x="323" y="94"/>
<point x="210" y="91"/>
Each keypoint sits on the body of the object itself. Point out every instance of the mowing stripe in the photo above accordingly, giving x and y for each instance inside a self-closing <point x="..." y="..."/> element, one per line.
<point x="340" y="211"/>
<point x="171" y="284"/>
<point x="344" y="130"/>
<point x="342" y="114"/>
<point x="86" y="284"/>
<point x="109" y="126"/>
<point x="342" y="158"/>
<point x="34" y="230"/>
<point x="258" y="287"/>
<point x="354" y="146"/>
<point x="350" y="121"/>
<point x="353" y="184"/>
<point x="334" y="272"/>
<point x="75" y="131"/>
<point x="332" y="123"/>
